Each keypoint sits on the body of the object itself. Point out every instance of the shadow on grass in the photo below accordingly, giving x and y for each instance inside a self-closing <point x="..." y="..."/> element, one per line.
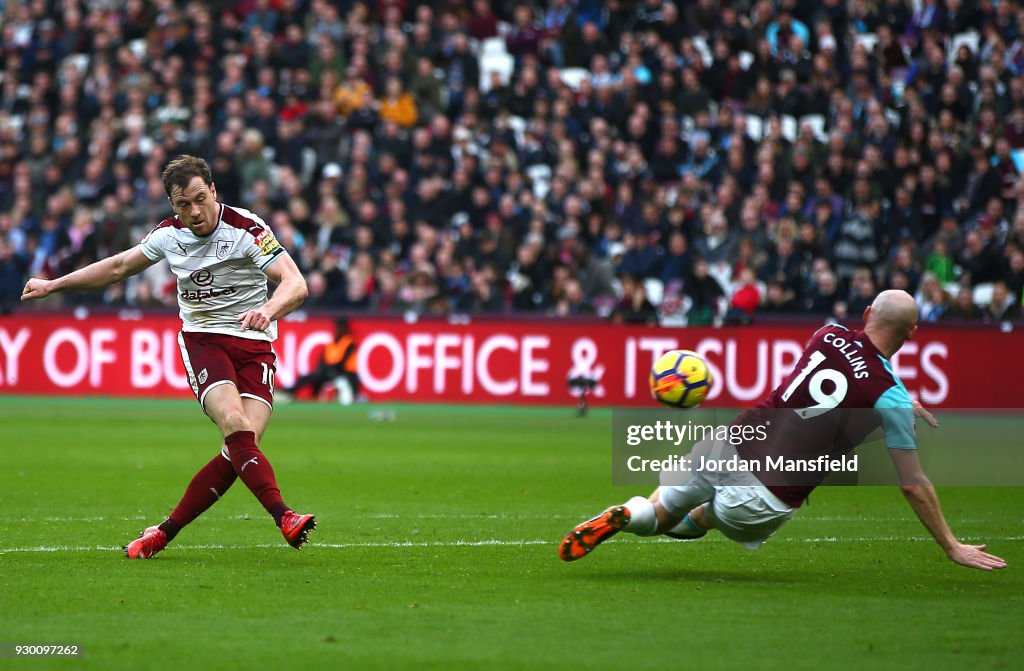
<point x="887" y="580"/>
<point x="697" y="575"/>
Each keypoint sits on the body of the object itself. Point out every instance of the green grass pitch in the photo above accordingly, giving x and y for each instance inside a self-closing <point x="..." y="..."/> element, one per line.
<point x="437" y="549"/>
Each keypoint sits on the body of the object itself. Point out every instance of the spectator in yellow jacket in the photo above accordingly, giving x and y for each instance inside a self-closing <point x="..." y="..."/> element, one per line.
<point x="397" y="104"/>
<point x="351" y="93"/>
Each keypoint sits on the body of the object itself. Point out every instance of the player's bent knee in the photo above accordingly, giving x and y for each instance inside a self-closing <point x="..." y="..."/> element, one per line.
<point x="666" y="520"/>
<point x="233" y="421"/>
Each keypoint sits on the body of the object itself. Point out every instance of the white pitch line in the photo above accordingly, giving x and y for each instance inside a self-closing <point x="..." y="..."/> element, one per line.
<point x="368" y="516"/>
<point x="432" y="516"/>
<point x="333" y="546"/>
<point x="485" y="543"/>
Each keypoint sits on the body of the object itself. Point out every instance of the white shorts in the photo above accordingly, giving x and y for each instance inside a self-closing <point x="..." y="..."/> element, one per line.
<point x="748" y="515"/>
<point x="742" y="508"/>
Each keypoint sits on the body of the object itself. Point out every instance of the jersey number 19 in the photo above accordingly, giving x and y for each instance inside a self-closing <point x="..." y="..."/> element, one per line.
<point x="815" y="387"/>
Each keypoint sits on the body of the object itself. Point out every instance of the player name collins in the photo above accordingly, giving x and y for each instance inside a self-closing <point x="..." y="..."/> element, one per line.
<point x="848" y="350"/>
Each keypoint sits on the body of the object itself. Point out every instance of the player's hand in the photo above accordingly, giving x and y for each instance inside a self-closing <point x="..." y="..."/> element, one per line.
<point x="974" y="556"/>
<point x="929" y="418"/>
<point x="36" y="288"/>
<point x="254" y="320"/>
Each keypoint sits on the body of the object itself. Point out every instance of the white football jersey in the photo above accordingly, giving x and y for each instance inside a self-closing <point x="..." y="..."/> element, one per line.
<point x="220" y="275"/>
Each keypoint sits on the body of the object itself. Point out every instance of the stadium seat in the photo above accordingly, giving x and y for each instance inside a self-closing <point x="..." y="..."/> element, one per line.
<point x="755" y="127"/>
<point x="617" y="287"/>
<point x="970" y="39"/>
<point x="722" y="272"/>
<point x="721" y="308"/>
<point x="686" y="126"/>
<point x="518" y="126"/>
<point x="868" y="40"/>
<point x="817" y="124"/>
<point x="79" y="61"/>
<point x="701" y="45"/>
<point x="14" y="122"/>
<point x="540" y="177"/>
<point x="309" y="160"/>
<point x="572" y="77"/>
<point x="983" y="294"/>
<point x="501" y="63"/>
<point x="789" y="127"/>
<point x="492" y="45"/>
<point x="138" y="47"/>
<point x="655" y="290"/>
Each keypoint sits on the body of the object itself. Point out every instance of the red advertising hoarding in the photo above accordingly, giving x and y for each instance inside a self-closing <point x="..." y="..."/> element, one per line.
<point x="526" y="362"/>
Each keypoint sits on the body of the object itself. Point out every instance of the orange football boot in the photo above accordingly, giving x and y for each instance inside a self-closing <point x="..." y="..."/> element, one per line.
<point x="296" y="528"/>
<point x="149" y="542"/>
<point x="588" y="535"/>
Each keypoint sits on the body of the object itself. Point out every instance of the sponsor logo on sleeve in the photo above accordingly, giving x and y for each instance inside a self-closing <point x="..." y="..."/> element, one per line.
<point x="267" y="243"/>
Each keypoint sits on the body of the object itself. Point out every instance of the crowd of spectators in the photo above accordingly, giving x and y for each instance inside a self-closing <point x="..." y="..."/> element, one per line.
<point x="647" y="161"/>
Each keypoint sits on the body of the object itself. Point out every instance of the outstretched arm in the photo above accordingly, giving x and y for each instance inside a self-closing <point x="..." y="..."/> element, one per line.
<point x="922" y="412"/>
<point x="291" y="291"/>
<point x="922" y="498"/>
<point x="103" y="273"/>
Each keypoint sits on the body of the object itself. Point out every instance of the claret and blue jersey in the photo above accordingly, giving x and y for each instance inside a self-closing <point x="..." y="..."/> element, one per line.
<point x="840" y="391"/>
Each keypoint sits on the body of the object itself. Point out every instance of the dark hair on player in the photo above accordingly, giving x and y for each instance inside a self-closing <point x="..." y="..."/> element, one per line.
<point x="180" y="171"/>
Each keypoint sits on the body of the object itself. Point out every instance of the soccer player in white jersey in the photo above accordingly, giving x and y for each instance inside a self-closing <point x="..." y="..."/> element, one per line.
<point x="222" y="257"/>
<point x="748" y="507"/>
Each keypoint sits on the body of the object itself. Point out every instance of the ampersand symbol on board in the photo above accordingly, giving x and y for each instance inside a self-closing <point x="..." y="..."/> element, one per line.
<point x="584" y="358"/>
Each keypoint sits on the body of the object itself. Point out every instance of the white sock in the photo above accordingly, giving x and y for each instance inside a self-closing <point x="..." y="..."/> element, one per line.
<point x="642" y="519"/>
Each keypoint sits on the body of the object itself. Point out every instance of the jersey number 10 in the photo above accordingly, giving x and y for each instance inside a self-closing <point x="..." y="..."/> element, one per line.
<point x="268" y="376"/>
